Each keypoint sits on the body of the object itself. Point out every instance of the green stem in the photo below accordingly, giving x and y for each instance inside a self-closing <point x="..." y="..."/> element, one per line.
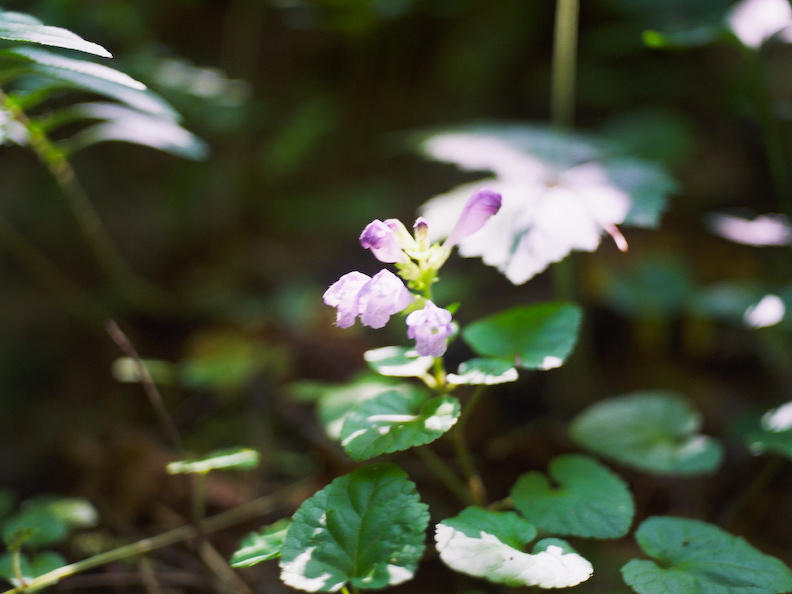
<point x="131" y="285"/>
<point x="474" y="483"/>
<point x="232" y="517"/>
<point x="562" y="102"/>
<point x="444" y="472"/>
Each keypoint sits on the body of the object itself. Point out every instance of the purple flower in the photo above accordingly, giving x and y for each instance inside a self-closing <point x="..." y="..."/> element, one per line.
<point x="430" y="327"/>
<point x="478" y="209"/>
<point x="382" y="238"/>
<point x="374" y="299"/>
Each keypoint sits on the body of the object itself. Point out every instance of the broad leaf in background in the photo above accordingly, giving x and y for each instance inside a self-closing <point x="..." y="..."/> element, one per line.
<point x="225" y="459"/>
<point x="560" y="192"/>
<point x="694" y="556"/>
<point x="530" y="337"/>
<point x="30" y="566"/>
<point x="396" y="420"/>
<point x="261" y="546"/>
<point x="483" y="372"/>
<point x="589" y="501"/>
<point x="365" y="528"/>
<point x="774" y="433"/>
<point x="655" y="431"/>
<point x="15" y="26"/>
<point x="48" y="519"/>
<point x="490" y="545"/>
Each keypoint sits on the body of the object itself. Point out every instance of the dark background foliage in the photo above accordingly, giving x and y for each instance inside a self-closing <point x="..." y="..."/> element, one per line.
<point x="307" y="106"/>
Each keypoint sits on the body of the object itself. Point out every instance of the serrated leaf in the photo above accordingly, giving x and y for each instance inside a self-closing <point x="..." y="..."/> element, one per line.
<point x="396" y="420"/>
<point x="489" y="544"/>
<point x="261" y="546"/>
<point x="531" y="337"/>
<point x="694" y="556"/>
<point x="398" y="361"/>
<point x="226" y="459"/>
<point x="655" y="431"/>
<point x="589" y="501"/>
<point x="30" y="566"/>
<point x="483" y="372"/>
<point x="124" y="124"/>
<point x="92" y="77"/>
<point x="365" y="528"/>
<point x="15" y="26"/>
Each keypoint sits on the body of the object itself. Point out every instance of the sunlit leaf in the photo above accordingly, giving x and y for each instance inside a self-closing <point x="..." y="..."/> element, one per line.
<point x="261" y="546"/>
<point x="693" y="556"/>
<point x="490" y="545"/>
<point x="561" y="192"/>
<point x="483" y="372"/>
<point x="655" y="431"/>
<point x="226" y="459"/>
<point x="15" y="26"/>
<point x="398" y="361"/>
<point x="531" y="337"/>
<point x="31" y="566"/>
<point x="396" y="420"/>
<point x="773" y="432"/>
<point x="365" y="529"/>
<point x="584" y="499"/>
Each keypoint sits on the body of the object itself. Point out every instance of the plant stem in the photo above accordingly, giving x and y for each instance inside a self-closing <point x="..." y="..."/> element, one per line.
<point x="237" y="515"/>
<point x="444" y="472"/>
<point x="132" y="286"/>
<point x="562" y="102"/>
<point x="475" y="485"/>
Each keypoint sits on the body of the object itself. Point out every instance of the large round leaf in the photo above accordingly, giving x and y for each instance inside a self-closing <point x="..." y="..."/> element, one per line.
<point x="655" y="431"/>
<point x="694" y="556"/>
<point x="532" y="337"/>
<point x="490" y="545"/>
<point x="365" y="528"/>
<point x="589" y="500"/>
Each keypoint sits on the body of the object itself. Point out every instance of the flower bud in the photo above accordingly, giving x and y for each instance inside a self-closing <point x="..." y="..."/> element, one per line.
<point x="478" y="209"/>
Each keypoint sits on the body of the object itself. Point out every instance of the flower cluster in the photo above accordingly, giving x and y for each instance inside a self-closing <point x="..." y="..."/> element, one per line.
<point x="374" y="299"/>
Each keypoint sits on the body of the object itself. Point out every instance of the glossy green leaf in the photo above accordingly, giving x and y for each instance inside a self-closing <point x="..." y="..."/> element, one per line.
<point x="15" y="26"/>
<point x="123" y="124"/>
<point x="261" y="546"/>
<point x="490" y="545"/>
<point x="89" y="76"/>
<point x="655" y="431"/>
<point x="693" y="556"/>
<point x="398" y="361"/>
<point x="31" y="566"/>
<point x="226" y="459"/>
<point x="365" y="529"/>
<point x="531" y="337"/>
<point x="589" y="500"/>
<point x="396" y="420"/>
<point x="483" y="372"/>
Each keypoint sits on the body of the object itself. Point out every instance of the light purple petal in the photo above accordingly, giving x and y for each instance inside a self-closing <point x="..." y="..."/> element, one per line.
<point x="430" y="327"/>
<point x="478" y="210"/>
<point x="380" y="298"/>
<point x="343" y="294"/>
<point x="381" y="239"/>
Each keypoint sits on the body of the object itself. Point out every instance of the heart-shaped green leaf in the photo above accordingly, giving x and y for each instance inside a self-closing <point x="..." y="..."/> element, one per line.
<point x="262" y="545"/>
<point x="532" y="337"/>
<point x="656" y="431"/>
<point x="694" y="556"/>
<point x="483" y="372"/>
<point x="490" y="544"/>
<point x="365" y="528"/>
<point x="590" y="500"/>
<point x="396" y="420"/>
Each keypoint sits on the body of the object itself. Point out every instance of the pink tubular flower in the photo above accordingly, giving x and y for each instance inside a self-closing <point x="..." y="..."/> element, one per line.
<point x="374" y="299"/>
<point x="478" y="209"/>
<point x="430" y="327"/>
<point x="382" y="238"/>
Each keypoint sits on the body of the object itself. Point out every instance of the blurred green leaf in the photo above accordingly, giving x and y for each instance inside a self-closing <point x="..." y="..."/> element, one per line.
<point x="261" y="546"/>
<point x="398" y="361"/>
<point x="16" y="26"/>
<point x="225" y="459"/>
<point x="654" y="431"/>
<point x="366" y="529"/>
<point x="31" y="566"/>
<point x="489" y="544"/>
<point x="483" y="372"/>
<point x="531" y="337"/>
<point x="693" y="556"/>
<point x="589" y="500"/>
